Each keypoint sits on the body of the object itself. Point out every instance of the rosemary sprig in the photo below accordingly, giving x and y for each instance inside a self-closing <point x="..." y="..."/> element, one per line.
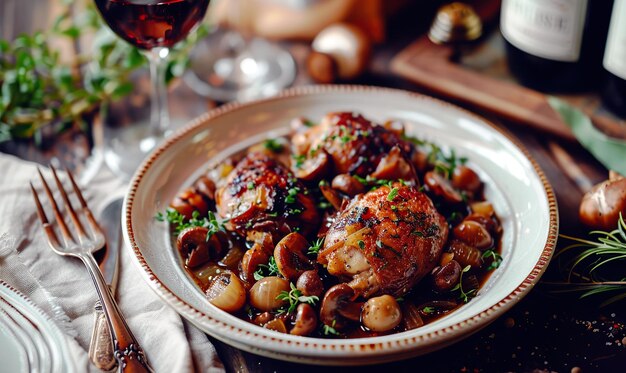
<point x="594" y="265"/>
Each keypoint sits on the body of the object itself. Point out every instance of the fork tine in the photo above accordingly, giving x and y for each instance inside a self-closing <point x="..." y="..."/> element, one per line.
<point x="68" y="205"/>
<point x="52" y="237"/>
<point x="57" y="214"/>
<point x="92" y="221"/>
<point x="40" y="212"/>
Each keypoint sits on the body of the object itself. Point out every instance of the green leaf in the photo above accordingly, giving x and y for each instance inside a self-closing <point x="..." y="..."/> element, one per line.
<point x="72" y="32"/>
<point x="610" y="151"/>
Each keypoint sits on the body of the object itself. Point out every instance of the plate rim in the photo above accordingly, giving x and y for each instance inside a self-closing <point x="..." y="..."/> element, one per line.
<point x="333" y="349"/>
<point x="45" y="323"/>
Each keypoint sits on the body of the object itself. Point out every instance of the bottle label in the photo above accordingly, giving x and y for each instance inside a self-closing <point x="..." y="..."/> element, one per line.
<point x="615" y="52"/>
<point x="550" y="29"/>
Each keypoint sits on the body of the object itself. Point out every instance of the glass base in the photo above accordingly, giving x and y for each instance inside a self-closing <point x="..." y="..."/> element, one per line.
<point x="226" y="67"/>
<point x="127" y="147"/>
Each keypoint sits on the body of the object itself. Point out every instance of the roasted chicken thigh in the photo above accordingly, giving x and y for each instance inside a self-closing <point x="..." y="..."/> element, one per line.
<point x="262" y="195"/>
<point x="385" y="241"/>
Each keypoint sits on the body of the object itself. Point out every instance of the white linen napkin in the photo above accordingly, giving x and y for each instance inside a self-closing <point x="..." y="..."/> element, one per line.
<point x="62" y="287"/>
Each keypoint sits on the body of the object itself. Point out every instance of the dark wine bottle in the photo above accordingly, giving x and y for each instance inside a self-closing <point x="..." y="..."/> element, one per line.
<point x="556" y="45"/>
<point x="614" y="90"/>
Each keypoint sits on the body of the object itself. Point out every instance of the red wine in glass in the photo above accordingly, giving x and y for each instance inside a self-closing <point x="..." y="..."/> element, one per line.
<point x="147" y="24"/>
<point x="152" y="26"/>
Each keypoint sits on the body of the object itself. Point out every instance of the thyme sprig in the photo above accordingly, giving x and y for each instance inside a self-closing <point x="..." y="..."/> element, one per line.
<point x="265" y="270"/>
<point x="465" y="296"/>
<point x="295" y="297"/>
<point x="314" y="249"/>
<point x="496" y="259"/>
<point x="330" y="329"/>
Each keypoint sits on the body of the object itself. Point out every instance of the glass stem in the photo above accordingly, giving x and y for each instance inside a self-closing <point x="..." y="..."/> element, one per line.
<point x="159" y="112"/>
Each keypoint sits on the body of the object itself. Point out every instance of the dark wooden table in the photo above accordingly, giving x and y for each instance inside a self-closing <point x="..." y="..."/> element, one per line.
<point x="541" y="333"/>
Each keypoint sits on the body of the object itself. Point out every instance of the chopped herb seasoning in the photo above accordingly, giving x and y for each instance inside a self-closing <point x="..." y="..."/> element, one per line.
<point x="299" y="159"/>
<point x="292" y="193"/>
<point x="273" y="145"/>
<point x="392" y="194"/>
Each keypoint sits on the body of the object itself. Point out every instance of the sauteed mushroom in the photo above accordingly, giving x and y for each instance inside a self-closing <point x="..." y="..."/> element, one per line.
<point x="306" y="320"/>
<point x="600" y="207"/>
<point x="381" y="314"/>
<point x="347" y="185"/>
<point x="290" y="256"/>
<point x="441" y="187"/>
<point x="336" y="299"/>
<point x="194" y="245"/>
<point x="446" y="276"/>
<point x="310" y="283"/>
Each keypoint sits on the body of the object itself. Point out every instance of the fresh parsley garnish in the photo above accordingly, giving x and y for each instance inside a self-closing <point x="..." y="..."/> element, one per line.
<point x="180" y="223"/>
<point x="372" y="181"/>
<point x="443" y="163"/>
<point x="428" y="310"/>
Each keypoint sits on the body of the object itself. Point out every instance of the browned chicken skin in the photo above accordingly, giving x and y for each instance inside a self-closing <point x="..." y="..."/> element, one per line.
<point x="261" y="194"/>
<point x="354" y="144"/>
<point x="386" y="240"/>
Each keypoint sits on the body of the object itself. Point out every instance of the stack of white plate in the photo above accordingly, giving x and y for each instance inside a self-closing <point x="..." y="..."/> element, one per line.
<point x="29" y="339"/>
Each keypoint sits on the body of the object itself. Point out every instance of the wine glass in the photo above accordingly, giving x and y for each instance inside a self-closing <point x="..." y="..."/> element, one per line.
<point x="153" y="26"/>
<point x="234" y="65"/>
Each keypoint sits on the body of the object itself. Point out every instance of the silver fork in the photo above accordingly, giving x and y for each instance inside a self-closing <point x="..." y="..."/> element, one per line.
<point x="129" y="355"/>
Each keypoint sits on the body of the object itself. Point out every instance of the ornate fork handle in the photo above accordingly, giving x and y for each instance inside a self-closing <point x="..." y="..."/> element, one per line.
<point x="126" y="349"/>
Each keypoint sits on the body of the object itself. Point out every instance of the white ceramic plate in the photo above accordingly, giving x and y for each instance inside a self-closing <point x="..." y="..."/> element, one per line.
<point x="29" y="339"/>
<point x="523" y="200"/>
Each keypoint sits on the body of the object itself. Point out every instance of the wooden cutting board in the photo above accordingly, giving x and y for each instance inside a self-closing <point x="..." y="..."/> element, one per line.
<point x="492" y="89"/>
